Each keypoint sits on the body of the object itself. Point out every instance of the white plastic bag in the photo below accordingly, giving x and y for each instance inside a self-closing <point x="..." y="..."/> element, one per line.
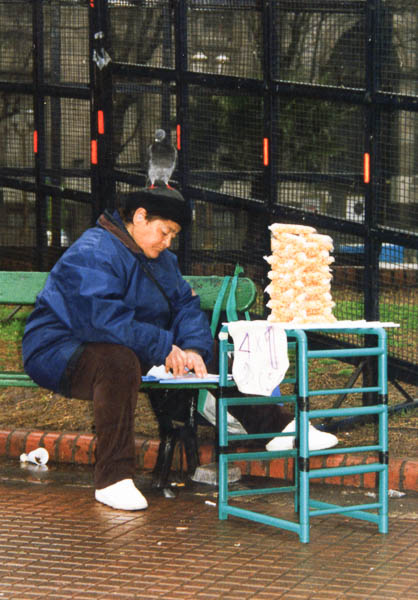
<point x="208" y="410"/>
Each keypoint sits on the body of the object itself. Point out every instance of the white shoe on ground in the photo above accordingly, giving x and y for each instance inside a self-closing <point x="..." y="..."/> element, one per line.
<point x="122" y="495"/>
<point x="318" y="440"/>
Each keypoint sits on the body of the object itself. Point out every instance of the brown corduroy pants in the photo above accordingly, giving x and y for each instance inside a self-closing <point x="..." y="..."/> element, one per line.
<point x="110" y="376"/>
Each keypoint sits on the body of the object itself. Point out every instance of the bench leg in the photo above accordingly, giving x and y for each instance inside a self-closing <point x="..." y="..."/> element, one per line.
<point x="186" y="438"/>
<point x="189" y="439"/>
<point x="164" y="461"/>
<point x="185" y="435"/>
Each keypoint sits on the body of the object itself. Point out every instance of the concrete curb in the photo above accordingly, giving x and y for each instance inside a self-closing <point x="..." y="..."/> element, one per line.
<point x="78" y="448"/>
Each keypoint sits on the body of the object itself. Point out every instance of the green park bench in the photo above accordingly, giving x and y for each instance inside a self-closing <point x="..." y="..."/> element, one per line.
<point x="232" y="295"/>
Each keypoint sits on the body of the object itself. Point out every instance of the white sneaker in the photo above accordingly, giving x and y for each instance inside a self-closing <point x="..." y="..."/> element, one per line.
<point x="122" y="495"/>
<point x="318" y="440"/>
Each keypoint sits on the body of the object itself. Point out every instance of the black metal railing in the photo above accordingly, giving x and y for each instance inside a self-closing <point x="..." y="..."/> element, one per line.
<point x="293" y="111"/>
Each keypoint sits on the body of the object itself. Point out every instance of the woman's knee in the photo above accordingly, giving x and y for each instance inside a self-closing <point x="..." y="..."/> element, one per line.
<point x="108" y="362"/>
<point x="120" y="362"/>
<point x="107" y="368"/>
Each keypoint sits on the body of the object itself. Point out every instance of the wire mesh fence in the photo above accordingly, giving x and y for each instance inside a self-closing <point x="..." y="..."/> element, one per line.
<point x="295" y="111"/>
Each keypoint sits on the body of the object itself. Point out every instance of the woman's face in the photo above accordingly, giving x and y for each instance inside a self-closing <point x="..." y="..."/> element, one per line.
<point x="152" y="236"/>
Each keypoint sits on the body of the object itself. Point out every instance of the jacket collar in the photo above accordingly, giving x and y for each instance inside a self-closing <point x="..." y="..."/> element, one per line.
<point x="114" y="225"/>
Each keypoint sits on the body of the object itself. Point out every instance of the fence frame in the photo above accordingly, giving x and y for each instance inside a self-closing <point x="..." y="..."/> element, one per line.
<point x="104" y="176"/>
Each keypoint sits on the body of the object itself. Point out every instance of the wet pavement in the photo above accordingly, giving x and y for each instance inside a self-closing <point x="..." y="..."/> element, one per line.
<point x="57" y="542"/>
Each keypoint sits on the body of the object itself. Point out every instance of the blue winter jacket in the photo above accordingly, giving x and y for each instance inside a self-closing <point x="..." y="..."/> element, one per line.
<point x="98" y="291"/>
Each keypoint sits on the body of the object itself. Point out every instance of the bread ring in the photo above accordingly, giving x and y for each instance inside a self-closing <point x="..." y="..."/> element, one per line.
<point x="279" y="228"/>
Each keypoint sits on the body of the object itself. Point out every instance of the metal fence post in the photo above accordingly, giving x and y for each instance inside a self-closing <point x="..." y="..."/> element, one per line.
<point x="103" y="184"/>
<point x="39" y="132"/>
<point x="182" y="100"/>
<point x="372" y="244"/>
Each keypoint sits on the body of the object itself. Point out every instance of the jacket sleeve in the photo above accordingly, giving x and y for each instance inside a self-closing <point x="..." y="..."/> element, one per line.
<point x="190" y="324"/>
<point x="90" y="298"/>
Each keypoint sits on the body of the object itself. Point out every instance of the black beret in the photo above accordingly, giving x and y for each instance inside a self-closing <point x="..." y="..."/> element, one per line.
<point x="159" y="201"/>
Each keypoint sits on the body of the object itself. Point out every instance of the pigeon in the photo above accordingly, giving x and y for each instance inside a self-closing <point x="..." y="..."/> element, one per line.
<point x="162" y="156"/>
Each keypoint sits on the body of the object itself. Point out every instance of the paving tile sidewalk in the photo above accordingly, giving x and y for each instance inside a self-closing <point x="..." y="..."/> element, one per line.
<point x="57" y="542"/>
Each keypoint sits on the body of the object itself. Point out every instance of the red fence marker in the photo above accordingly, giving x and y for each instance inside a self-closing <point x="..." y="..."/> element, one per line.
<point x="100" y="122"/>
<point x="366" y="168"/>
<point x="266" y="152"/>
<point x="94" y="152"/>
<point x="178" y="132"/>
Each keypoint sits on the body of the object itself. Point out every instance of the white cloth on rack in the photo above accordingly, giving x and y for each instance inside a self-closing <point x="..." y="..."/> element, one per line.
<point x="260" y="356"/>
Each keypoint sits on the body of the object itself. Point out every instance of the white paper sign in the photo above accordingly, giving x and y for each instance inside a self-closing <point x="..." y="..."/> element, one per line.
<point x="260" y="356"/>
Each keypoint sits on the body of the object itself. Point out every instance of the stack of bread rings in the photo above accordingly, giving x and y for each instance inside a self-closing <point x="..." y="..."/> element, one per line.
<point x="300" y="288"/>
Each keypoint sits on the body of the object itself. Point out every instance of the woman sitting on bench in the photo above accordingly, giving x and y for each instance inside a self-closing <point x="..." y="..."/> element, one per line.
<point x="114" y="305"/>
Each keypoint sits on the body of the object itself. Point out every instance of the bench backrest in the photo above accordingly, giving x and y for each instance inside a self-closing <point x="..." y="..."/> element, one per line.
<point x="208" y="288"/>
<point x="22" y="287"/>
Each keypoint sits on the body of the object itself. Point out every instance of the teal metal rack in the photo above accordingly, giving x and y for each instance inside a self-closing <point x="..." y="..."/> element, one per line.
<point x="305" y="507"/>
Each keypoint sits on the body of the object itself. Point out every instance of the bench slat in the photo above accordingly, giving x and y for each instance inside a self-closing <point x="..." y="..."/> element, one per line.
<point x="21" y="287"/>
<point x="207" y="287"/>
<point x="10" y="379"/>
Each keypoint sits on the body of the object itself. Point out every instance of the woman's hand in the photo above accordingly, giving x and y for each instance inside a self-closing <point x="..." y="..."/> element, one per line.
<point x="179" y="362"/>
<point x="196" y="363"/>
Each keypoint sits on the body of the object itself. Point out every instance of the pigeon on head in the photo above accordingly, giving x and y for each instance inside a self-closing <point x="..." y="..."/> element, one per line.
<point x="162" y="157"/>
